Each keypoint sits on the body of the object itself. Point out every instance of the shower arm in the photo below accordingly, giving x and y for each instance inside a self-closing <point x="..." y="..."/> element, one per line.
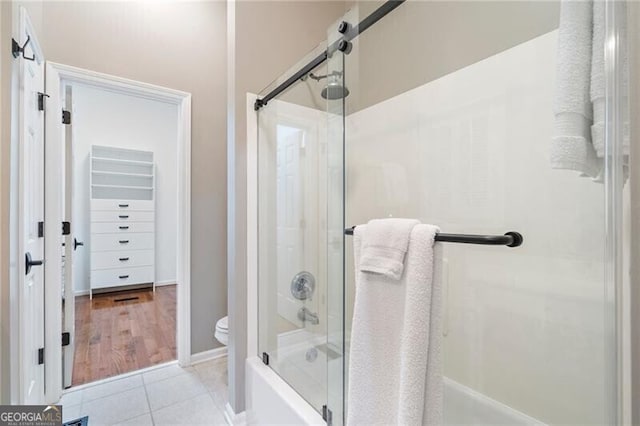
<point x="320" y="77"/>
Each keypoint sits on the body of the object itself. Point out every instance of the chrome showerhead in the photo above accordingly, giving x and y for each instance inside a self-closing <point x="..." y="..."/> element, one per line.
<point x="334" y="89"/>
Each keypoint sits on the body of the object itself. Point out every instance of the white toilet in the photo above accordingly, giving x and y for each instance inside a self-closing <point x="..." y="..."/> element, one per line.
<point x="222" y="330"/>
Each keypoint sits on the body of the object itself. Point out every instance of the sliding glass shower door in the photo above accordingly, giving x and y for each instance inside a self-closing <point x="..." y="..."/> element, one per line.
<point x="300" y="253"/>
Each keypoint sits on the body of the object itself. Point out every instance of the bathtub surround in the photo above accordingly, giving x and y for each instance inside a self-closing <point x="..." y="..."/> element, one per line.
<point x="503" y="306"/>
<point x="395" y="367"/>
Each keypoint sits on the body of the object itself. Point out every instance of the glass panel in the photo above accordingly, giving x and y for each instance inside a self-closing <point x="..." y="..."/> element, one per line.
<point x="336" y="92"/>
<point x="292" y="232"/>
<point x="450" y="120"/>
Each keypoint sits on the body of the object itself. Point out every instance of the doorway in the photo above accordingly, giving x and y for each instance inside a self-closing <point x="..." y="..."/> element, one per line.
<point x="124" y="189"/>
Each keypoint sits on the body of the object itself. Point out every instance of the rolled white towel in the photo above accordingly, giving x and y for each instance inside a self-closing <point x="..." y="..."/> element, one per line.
<point x="384" y="246"/>
<point x="571" y="146"/>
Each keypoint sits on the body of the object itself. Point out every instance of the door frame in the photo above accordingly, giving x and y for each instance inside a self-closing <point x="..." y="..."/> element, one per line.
<point x="57" y="76"/>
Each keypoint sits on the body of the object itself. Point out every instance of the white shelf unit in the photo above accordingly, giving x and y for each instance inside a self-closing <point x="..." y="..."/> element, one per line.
<point x="122" y="190"/>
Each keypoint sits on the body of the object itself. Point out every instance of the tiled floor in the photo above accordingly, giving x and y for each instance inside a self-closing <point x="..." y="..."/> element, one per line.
<point x="168" y="395"/>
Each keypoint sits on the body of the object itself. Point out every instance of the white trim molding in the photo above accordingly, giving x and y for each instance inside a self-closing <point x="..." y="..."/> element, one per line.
<point x="232" y="418"/>
<point x="252" y="226"/>
<point x="59" y="75"/>
<point x="208" y="355"/>
<point x="166" y="282"/>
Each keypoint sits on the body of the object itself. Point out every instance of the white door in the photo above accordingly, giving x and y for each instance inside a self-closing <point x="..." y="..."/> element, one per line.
<point x="70" y="246"/>
<point x="290" y="218"/>
<point x="30" y="214"/>
<point x="297" y="219"/>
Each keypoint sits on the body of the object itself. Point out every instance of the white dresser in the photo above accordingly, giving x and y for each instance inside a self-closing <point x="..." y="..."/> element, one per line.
<point x="122" y="186"/>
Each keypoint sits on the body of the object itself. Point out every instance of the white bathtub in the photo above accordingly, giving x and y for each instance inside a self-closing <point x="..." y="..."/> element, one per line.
<point x="271" y="401"/>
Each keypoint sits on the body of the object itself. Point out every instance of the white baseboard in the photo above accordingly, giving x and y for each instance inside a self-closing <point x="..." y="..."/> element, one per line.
<point x="158" y="284"/>
<point x="232" y="418"/>
<point x="208" y="355"/>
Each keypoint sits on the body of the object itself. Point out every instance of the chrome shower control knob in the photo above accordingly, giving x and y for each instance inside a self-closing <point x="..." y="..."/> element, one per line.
<point x="303" y="285"/>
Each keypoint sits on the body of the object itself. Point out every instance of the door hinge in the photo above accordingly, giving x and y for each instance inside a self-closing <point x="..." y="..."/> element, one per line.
<point x="41" y="97"/>
<point x="40" y="356"/>
<point x="326" y="414"/>
<point x="66" y="338"/>
<point x="66" y="117"/>
<point x="265" y="358"/>
<point x="17" y="50"/>
<point x="40" y="229"/>
<point x="66" y="228"/>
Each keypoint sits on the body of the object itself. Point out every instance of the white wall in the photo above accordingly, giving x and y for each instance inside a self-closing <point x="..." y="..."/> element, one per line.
<point x="469" y="152"/>
<point x="101" y="117"/>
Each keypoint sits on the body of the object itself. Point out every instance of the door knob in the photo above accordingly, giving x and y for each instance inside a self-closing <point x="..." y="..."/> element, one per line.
<point x="29" y="262"/>
<point x="77" y="243"/>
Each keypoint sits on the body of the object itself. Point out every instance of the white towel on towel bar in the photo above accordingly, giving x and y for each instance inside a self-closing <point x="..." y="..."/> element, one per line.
<point x="578" y="141"/>
<point x="395" y="358"/>
<point x="384" y="246"/>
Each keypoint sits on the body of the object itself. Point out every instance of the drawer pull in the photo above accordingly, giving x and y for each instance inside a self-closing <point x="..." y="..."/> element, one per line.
<point x="122" y="277"/>
<point x="124" y="216"/>
<point x="123" y="227"/>
<point x="124" y="241"/>
<point x="123" y="205"/>
<point x="123" y="259"/>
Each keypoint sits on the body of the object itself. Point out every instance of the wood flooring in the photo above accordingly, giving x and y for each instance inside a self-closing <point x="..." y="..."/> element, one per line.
<point x="123" y="331"/>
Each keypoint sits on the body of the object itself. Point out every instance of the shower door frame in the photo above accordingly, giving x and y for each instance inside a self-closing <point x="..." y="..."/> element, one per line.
<point x="620" y="383"/>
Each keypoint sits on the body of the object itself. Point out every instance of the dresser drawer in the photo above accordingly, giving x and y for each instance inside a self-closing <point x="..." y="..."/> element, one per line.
<point x="121" y="216"/>
<point x="121" y="259"/>
<point x="122" y="205"/>
<point x="121" y="276"/>
<point x="122" y="227"/>
<point x="122" y="242"/>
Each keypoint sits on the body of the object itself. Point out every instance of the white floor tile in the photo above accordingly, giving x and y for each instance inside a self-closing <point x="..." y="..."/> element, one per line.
<point x="213" y="375"/>
<point x="143" y="420"/>
<point x="111" y="388"/>
<point x="70" y="412"/>
<point x="164" y="373"/>
<point x="174" y="389"/>
<point x="212" y="368"/>
<point x="200" y="410"/>
<point x="116" y="408"/>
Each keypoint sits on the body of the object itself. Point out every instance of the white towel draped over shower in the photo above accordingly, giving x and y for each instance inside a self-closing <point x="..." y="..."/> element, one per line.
<point x="579" y="135"/>
<point x="395" y="358"/>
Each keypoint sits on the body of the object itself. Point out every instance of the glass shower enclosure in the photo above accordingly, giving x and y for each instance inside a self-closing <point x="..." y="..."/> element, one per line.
<point x="300" y="254"/>
<point x="444" y="112"/>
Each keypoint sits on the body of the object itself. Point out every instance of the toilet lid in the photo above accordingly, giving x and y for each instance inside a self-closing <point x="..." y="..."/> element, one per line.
<point x="223" y="324"/>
